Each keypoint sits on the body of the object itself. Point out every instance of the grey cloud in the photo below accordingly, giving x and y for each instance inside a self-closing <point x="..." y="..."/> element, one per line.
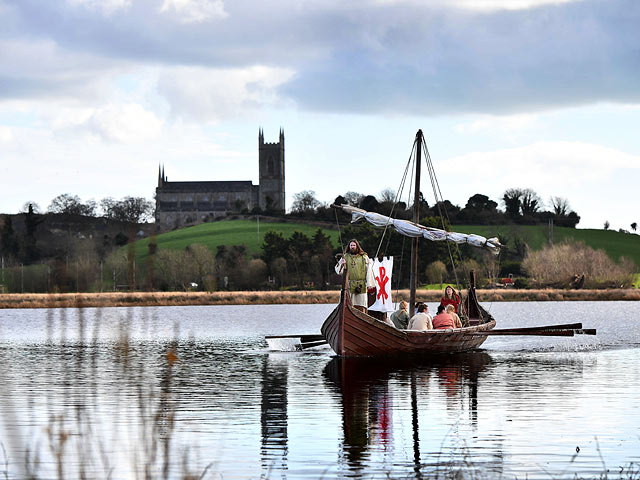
<point x="376" y="58"/>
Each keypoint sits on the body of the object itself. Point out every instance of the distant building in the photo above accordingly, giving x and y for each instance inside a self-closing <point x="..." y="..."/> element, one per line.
<point x="188" y="203"/>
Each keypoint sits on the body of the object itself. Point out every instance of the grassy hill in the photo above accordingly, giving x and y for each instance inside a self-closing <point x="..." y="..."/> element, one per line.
<point x="227" y="232"/>
<point x="616" y="244"/>
<point x="249" y="233"/>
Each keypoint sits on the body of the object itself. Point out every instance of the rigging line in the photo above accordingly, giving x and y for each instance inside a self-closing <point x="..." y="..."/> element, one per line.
<point x="395" y="204"/>
<point x="440" y="204"/>
<point x="395" y="201"/>
<point x="339" y="231"/>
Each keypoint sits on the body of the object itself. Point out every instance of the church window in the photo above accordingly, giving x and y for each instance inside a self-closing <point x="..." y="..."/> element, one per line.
<point x="270" y="166"/>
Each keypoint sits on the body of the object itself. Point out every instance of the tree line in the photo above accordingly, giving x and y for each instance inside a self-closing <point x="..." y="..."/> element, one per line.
<point x="518" y="205"/>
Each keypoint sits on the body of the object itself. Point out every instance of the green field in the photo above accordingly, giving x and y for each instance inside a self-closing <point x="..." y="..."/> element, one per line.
<point x="250" y="234"/>
<point x="616" y="244"/>
<point x="226" y="232"/>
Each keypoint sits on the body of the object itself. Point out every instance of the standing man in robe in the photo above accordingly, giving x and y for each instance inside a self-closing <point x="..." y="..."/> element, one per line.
<point x="361" y="278"/>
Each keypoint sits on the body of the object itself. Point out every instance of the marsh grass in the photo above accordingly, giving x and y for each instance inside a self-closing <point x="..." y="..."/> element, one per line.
<point x="68" y="436"/>
<point x="127" y="299"/>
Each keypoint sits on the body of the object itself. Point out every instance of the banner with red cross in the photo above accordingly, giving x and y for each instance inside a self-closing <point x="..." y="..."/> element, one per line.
<point x="382" y="272"/>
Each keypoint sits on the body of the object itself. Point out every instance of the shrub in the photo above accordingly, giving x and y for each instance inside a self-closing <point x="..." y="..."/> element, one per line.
<point x="559" y="264"/>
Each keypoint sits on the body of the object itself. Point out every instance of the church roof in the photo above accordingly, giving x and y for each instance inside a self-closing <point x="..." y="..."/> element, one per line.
<point x="216" y="186"/>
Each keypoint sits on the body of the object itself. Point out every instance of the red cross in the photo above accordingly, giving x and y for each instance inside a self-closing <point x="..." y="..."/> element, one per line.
<point x="382" y="281"/>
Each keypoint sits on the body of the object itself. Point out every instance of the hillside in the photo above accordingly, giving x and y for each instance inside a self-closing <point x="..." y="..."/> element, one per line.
<point x="616" y="244"/>
<point x="227" y="232"/>
<point x="245" y="232"/>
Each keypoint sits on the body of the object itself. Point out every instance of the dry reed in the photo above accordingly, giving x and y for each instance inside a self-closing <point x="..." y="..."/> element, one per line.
<point x="127" y="299"/>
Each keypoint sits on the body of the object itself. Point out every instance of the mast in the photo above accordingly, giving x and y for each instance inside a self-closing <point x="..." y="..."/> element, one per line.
<point x="413" y="279"/>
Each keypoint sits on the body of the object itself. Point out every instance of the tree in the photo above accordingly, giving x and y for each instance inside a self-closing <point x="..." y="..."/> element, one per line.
<point x="353" y="198"/>
<point x="606" y="224"/>
<point x="560" y="206"/>
<point x="634" y="226"/>
<point x="67" y="203"/>
<point x="129" y="209"/>
<point x="305" y="202"/>
<point x="512" y="201"/>
<point x="30" y="207"/>
<point x="274" y="245"/>
<point x="370" y="204"/>
<point x="387" y="196"/>
<point x="530" y="202"/>
<point x="8" y="241"/>
<point x="436" y="272"/>
<point x="481" y="203"/>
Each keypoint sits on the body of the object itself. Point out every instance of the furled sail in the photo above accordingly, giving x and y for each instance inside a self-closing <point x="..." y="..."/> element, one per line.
<point x="410" y="229"/>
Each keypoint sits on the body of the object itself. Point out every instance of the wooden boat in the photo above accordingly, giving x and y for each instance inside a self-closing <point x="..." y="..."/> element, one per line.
<point x="351" y="332"/>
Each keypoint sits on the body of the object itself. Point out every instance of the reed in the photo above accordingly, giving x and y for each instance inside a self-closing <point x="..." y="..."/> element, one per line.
<point x="128" y="299"/>
<point x="75" y="439"/>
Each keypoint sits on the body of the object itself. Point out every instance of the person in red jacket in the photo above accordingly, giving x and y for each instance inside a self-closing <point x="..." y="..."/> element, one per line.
<point x="450" y="298"/>
<point x="443" y="320"/>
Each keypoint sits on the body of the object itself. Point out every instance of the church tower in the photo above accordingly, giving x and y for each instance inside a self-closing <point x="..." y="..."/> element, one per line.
<point x="271" y="174"/>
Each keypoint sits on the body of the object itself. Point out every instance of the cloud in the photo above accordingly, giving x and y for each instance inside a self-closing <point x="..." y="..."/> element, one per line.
<point x="504" y="124"/>
<point x="129" y="123"/>
<point x="369" y="57"/>
<point x="106" y="6"/>
<point x="215" y="94"/>
<point x="503" y="4"/>
<point x="194" y="11"/>
<point x="6" y="134"/>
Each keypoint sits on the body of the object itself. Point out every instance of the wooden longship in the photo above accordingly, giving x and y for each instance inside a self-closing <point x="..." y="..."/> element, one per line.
<point x="352" y="333"/>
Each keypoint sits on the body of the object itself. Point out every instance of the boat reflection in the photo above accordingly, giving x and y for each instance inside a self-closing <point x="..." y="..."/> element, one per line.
<point x="365" y="386"/>
<point x="273" y="416"/>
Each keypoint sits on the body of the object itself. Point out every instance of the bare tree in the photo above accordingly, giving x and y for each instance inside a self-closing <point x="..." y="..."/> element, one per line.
<point x="35" y="208"/>
<point x="530" y="202"/>
<point x="305" y="202"/>
<point x="387" y="196"/>
<point x="353" y="198"/>
<point x="560" y="206"/>
<point x="436" y="272"/>
<point x="67" y="203"/>
<point x="129" y="209"/>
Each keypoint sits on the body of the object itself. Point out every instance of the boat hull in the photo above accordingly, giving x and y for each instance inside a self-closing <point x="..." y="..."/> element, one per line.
<point x="352" y="333"/>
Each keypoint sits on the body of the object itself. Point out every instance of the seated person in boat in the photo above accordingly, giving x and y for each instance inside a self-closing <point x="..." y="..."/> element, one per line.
<point x="400" y="318"/>
<point x="443" y="320"/>
<point x="450" y="298"/>
<point x="450" y="309"/>
<point x="361" y="277"/>
<point x="421" y="320"/>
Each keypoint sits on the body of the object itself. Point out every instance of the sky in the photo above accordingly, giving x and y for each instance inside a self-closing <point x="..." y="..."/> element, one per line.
<point x="540" y="94"/>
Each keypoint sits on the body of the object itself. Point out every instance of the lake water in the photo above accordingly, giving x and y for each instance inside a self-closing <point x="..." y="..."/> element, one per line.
<point x="165" y="391"/>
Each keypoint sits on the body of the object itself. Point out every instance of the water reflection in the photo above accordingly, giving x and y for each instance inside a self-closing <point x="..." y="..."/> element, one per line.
<point x="367" y="405"/>
<point x="273" y="417"/>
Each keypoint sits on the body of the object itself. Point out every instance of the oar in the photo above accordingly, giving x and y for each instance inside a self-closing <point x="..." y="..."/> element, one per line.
<point x="304" y="337"/>
<point x="306" y="340"/>
<point x="541" y="332"/>
<point x="563" y="326"/>
<point x="305" y="345"/>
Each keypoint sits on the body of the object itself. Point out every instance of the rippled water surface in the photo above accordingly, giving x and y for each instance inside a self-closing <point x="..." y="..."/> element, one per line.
<point x="119" y="392"/>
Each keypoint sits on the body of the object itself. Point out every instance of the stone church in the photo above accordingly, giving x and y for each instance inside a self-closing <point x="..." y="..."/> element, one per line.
<point x="181" y="204"/>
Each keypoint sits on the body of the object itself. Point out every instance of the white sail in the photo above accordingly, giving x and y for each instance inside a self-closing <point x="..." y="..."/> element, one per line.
<point x="411" y="229"/>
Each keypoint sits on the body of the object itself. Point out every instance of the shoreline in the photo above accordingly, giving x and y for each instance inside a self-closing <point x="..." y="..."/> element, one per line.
<point x="145" y="299"/>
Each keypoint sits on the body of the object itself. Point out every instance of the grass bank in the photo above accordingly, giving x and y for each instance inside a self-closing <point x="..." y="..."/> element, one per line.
<point x="130" y="299"/>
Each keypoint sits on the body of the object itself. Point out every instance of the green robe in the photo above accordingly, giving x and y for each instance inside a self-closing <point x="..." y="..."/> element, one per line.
<point x="357" y="267"/>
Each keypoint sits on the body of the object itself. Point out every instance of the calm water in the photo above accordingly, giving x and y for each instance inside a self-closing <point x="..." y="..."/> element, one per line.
<point x="95" y="389"/>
